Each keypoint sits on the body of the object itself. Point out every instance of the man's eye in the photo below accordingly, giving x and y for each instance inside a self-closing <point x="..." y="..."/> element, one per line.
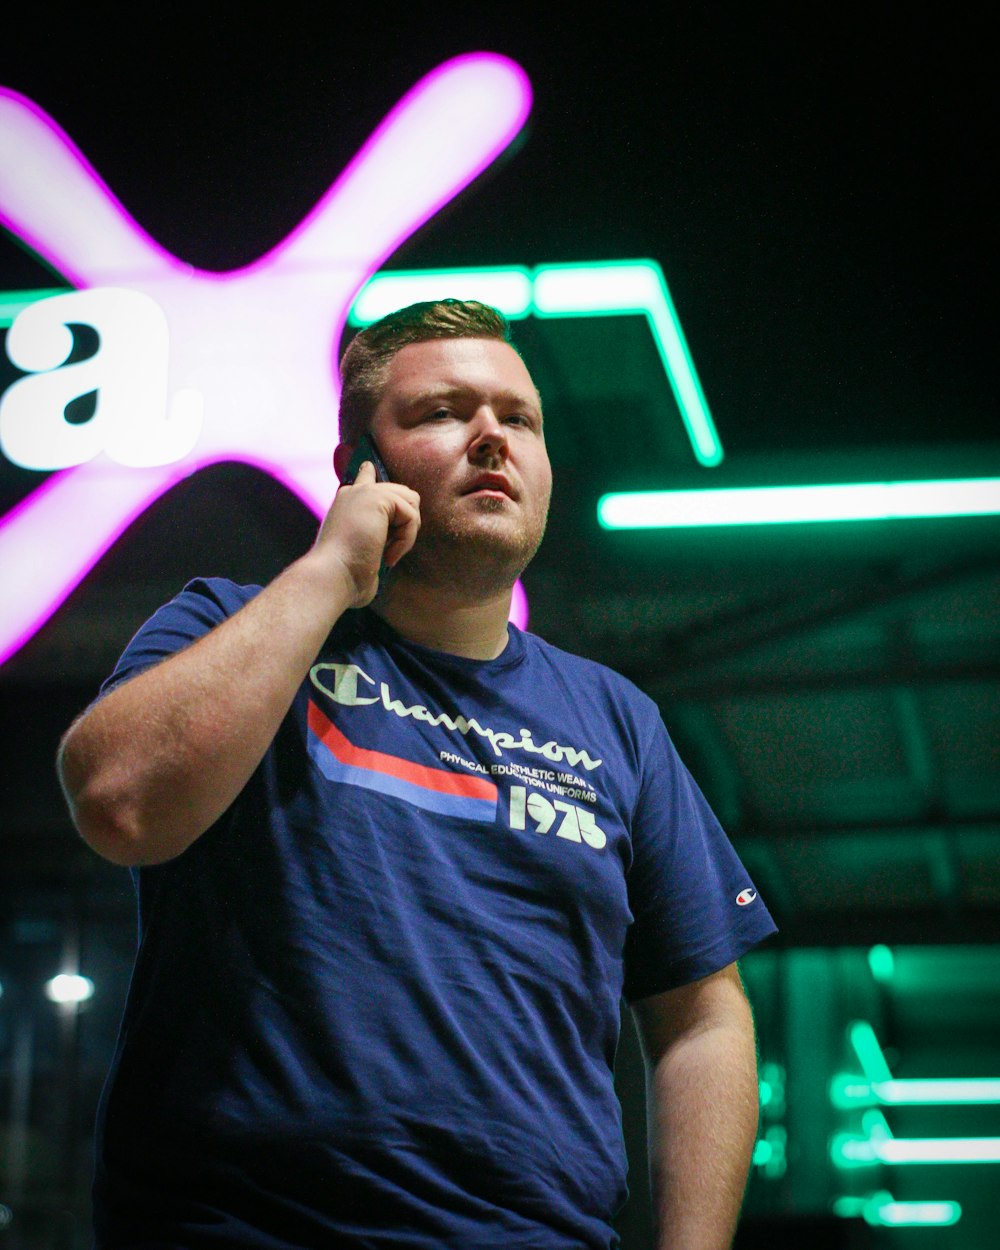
<point x="439" y="414"/>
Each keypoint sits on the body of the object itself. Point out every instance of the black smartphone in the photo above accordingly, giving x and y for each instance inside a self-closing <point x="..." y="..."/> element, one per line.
<point x="366" y="450"/>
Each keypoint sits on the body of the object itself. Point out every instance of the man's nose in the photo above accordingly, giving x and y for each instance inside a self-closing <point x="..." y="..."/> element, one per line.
<point x="490" y="437"/>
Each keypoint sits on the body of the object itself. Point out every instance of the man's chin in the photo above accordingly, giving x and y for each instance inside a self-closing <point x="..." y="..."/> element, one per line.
<point x="490" y="552"/>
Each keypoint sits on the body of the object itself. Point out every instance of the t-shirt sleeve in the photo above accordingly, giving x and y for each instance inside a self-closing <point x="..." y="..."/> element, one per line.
<point x="694" y="906"/>
<point x="201" y="605"/>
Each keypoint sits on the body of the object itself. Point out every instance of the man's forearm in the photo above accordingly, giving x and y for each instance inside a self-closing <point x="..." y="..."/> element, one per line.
<point x="152" y="766"/>
<point x="155" y="763"/>
<point x="703" y="1107"/>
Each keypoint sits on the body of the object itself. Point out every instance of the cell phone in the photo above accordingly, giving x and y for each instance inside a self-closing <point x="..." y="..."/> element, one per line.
<point x="366" y="450"/>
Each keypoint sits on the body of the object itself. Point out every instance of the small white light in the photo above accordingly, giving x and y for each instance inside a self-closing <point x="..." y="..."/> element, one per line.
<point x="69" y="988"/>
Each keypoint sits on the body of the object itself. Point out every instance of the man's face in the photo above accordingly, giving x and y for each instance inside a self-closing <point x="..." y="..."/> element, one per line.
<point x="460" y="422"/>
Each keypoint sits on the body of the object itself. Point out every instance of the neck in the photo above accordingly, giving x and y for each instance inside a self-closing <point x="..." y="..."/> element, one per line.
<point x="445" y="617"/>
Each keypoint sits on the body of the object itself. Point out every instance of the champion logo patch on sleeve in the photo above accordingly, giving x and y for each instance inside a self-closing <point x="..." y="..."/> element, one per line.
<point x="745" y="897"/>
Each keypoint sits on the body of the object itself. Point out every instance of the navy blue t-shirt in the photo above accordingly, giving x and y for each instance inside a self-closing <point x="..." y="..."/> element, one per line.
<point x="377" y="1003"/>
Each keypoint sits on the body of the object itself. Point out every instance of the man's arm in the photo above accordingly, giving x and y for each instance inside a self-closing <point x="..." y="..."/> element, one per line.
<point x="152" y="765"/>
<point x="701" y="1079"/>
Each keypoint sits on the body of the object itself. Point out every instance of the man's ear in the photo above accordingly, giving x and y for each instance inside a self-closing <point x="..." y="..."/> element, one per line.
<point x="342" y="458"/>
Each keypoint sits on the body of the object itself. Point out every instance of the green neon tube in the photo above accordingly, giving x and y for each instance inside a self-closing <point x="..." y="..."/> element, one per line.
<point x="915" y="1092"/>
<point x="787" y="505"/>
<point x="882" y="1210"/>
<point x="903" y="1150"/>
<point x="849" y="1151"/>
<point x="847" y="1091"/>
<point x="915" y="1214"/>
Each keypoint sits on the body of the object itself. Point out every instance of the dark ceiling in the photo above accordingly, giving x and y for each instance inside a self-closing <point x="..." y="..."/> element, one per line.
<point x="816" y="192"/>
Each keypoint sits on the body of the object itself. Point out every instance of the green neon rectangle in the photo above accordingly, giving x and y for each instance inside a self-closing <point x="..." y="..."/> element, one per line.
<point x="790" y="505"/>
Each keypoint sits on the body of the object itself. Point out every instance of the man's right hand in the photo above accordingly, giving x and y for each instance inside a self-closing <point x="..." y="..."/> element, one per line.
<point x="369" y="522"/>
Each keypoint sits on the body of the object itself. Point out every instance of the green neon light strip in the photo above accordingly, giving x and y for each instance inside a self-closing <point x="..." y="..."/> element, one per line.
<point x="848" y="1092"/>
<point x="969" y="1090"/>
<point x="882" y="1210"/>
<point x="14" y="302"/>
<point x="848" y="1151"/>
<point x="877" y="1145"/>
<point x="915" y="1214"/>
<point x="788" y="505"/>
<point x="601" y="289"/>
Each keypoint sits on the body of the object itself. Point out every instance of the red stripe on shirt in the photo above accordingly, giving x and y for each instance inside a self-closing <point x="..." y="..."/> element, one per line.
<point x="441" y="779"/>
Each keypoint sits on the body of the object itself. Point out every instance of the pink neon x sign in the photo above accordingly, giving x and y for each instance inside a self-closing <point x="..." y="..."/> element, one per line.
<point x="254" y="345"/>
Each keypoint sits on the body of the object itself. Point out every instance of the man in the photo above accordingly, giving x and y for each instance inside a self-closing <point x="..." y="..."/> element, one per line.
<point x="397" y="861"/>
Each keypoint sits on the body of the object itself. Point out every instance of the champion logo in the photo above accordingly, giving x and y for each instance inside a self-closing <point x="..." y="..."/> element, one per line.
<point x="344" y="691"/>
<point x="745" y="896"/>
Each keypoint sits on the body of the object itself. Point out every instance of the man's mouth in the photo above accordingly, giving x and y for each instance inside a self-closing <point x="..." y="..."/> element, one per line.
<point x="492" y="483"/>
